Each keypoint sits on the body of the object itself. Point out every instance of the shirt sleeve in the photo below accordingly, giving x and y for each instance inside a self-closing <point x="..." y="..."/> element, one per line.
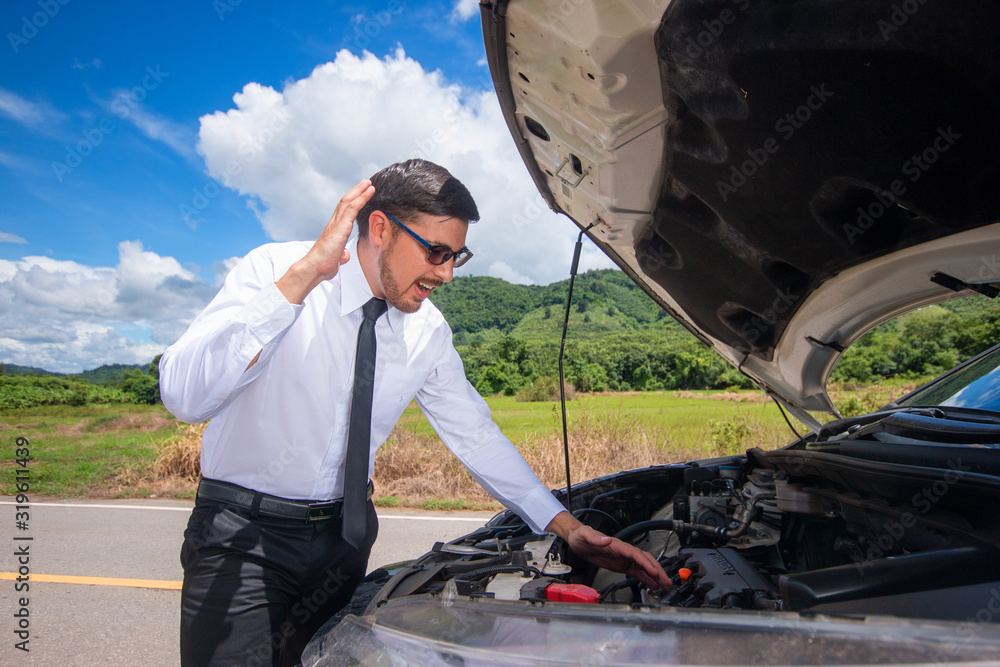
<point x="462" y="419"/>
<point x="207" y="367"/>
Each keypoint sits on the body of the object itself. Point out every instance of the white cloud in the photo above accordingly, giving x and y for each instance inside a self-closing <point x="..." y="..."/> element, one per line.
<point x="64" y="316"/>
<point x="178" y="137"/>
<point x="26" y="112"/>
<point x="222" y="269"/>
<point x="295" y="152"/>
<point x="464" y="10"/>
<point x="6" y="237"/>
<point x="503" y="271"/>
<point x="96" y="63"/>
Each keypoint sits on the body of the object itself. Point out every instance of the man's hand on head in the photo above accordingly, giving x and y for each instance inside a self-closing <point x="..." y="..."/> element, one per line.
<point x="608" y="552"/>
<point x="329" y="252"/>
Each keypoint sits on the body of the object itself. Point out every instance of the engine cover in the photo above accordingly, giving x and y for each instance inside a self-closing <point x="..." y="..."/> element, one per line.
<point x="734" y="582"/>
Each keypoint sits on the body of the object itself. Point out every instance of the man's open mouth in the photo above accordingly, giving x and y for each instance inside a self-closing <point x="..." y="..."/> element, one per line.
<point x="423" y="288"/>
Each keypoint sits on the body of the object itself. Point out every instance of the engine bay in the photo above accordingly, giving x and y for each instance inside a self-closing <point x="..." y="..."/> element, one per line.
<point x="800" y="529"/>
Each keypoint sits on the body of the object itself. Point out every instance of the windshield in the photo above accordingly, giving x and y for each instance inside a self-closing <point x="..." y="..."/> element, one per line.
<point x="976" y="385"/>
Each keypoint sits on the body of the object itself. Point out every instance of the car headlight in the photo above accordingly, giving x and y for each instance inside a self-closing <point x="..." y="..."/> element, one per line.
<point x="429" y="631"/>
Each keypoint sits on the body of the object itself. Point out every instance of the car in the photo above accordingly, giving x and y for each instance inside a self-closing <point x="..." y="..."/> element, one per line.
<point x="781" y="176"/>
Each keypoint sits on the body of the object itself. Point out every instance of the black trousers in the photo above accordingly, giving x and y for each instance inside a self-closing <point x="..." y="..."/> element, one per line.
<point x="257" y="588"/>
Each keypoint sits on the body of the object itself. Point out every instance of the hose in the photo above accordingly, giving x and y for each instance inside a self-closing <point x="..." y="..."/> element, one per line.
<point x="499" y="569"/>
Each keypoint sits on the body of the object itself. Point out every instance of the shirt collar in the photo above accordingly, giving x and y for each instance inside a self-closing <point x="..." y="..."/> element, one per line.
<point x="355" y="290"/>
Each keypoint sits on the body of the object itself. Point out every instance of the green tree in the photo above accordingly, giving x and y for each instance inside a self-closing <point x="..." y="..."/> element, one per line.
<point x="498" y="379"/>
<point x="153" y="368"/>
<point x="143" y="388"/>
<point x="590" y="377"/>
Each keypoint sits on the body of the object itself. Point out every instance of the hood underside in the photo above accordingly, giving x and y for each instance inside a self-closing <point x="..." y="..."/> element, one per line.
<point x="779" y="176"/>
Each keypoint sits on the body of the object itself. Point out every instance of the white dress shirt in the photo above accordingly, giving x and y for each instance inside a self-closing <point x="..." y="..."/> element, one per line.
<point x="280" y="427"/>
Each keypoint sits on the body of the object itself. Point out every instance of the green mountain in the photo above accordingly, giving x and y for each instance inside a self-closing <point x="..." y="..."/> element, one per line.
<point x="604" y="301"/>
<point x="14" y="369"/>
<point x="107" y="373"/>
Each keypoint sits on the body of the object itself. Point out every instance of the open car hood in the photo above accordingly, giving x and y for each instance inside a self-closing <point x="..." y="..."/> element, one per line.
<point x="779" y="176"/>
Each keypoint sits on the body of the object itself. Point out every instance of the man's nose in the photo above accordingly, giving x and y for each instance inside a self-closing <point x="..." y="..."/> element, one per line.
<point x="445" y="271"/>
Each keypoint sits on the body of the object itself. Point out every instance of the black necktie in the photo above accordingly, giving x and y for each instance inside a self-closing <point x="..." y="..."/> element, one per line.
<point x="359" y="437"/>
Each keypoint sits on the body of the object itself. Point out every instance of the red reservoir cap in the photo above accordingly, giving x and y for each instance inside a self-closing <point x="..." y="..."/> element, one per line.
<point x="571" y="593"/>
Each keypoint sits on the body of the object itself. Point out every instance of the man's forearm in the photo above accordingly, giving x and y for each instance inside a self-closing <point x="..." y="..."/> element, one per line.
<point x="563" y="524"/>
<point x="297" y="282"/>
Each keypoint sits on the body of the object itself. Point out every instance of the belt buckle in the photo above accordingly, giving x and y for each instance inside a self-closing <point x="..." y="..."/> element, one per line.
<point x="321" y="511"/>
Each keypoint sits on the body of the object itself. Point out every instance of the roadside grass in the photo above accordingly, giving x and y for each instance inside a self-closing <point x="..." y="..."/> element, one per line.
<point x="141" y="451"/>
<point x="102" y="451"/>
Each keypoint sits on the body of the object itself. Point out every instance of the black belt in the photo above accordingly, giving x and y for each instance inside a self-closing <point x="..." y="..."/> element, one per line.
<point x="268" y="505"/>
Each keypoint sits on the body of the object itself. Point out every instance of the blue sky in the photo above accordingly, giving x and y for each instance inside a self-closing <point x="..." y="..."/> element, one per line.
<point x="147" y="146"/>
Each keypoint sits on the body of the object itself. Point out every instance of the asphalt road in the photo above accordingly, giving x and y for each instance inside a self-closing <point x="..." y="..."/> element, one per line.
<point x="91" y="562"/>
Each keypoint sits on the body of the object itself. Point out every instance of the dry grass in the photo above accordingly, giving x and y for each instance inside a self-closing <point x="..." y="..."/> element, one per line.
<point x="414" y="469"/>
<point x="417" y="469"/>
<point x="731" y="396"/>
<point x="180" y="455"/>
<point x="141" y="423"/>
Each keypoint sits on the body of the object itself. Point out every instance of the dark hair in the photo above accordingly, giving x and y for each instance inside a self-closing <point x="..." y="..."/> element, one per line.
<point x="417" y="186"/>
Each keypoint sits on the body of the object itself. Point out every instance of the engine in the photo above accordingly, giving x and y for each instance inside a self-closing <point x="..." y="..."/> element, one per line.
<point x="767" y="532"/>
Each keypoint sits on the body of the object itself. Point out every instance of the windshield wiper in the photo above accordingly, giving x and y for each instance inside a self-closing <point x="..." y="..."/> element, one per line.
<point x="915" y="425"/>
<point x="853" y="426"/>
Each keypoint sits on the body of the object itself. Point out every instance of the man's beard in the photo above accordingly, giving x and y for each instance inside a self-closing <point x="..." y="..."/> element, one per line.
<point x="390" y="288"/>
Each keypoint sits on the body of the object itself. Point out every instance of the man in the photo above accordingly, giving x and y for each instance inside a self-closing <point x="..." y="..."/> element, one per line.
<point x="271" y="361"/>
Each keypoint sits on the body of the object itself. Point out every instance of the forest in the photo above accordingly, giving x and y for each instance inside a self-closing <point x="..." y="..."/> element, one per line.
<point x="618" y="340"/>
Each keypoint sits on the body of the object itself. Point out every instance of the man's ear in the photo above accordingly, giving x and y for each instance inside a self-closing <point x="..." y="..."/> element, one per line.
<point x="379" y="229"/>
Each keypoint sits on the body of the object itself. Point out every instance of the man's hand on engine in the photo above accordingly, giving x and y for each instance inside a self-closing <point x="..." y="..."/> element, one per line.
<point x="608" y="552"/>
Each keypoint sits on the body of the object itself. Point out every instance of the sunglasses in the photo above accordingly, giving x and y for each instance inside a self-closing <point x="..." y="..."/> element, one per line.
<point x="436" y="254"/>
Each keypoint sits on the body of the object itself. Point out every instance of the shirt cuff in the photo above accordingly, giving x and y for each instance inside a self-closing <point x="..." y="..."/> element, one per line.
<point x="268" y="313"/>
<point x="540" y="509"/>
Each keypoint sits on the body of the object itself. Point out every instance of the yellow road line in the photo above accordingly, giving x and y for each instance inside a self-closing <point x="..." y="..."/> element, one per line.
<point x="96" y="581"/>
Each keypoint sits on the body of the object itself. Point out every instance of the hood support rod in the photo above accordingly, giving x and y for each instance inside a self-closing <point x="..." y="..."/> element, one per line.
<point x="562" y="349"/>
